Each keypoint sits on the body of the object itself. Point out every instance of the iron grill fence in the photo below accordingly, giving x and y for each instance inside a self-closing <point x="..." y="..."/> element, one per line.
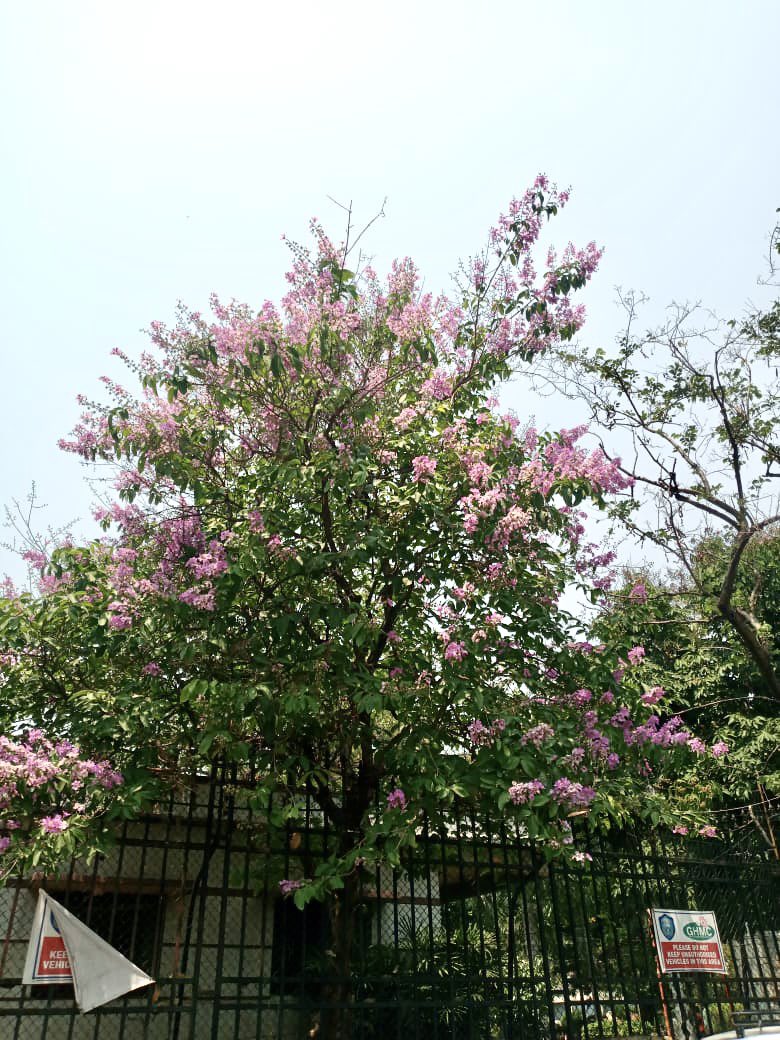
<point x="477" y="936"/>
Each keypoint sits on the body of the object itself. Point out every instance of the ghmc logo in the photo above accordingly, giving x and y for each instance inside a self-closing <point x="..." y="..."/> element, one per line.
<point x="701" y="932"/>
<point x="666" y="924"/>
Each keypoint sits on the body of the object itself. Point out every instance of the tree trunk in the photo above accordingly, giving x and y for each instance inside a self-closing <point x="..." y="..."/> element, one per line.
<point x="742" y="621"/>
<point x="337" y="1011"/>
<point x="359" y="792"/>
<point x="747" y="629"/>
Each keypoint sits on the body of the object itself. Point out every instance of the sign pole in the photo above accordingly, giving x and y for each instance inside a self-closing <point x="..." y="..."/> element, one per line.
<point x="659" y="976"/>
<point x="728" y="995"/>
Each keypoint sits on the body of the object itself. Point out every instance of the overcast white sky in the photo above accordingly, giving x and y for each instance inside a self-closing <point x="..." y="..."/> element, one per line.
<point x="156" y="151"/>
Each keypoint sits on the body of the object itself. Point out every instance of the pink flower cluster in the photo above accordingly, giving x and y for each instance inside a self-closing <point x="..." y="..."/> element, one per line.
<point x="636" y="655"/>
<point x="438" y="386"/>
<point x="210" y="563"/>
<point x="54" y="824"/>
<point x="581" y="697"/>
<point x="396" y="799"/>
<point x="287" y="887"/>
<point x="49" y="782"/>
<point x="521" y="793"/>
<point x="496" y="505"/>
<point x="571" y="794"/>
<point x="561" y="461"/>
<point x="481" y="735"/>
<point x="706" y="831"/>
<point x="638" y="593"/>
<point x="582" y="857"/>
<point x="423" y="468"/>
<point x="653" y="696"/>
<point x="455" y="651"/>
<point x="552" y="315"/>
<point x="537" y="735"/>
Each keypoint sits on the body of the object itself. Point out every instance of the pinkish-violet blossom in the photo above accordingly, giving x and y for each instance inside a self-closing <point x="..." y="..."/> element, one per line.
<point x="638" y="594"/>
<point x="582" y="857"/>
<point x="482" y="735"/>
<point x="423" y="468"/>
<point x="572" y="794"/>
<point x="521" y="793"/>
<point x="454" y="651"/>
<point x="538" y="734"/>
<point x="287" y="887"/>
<point x="653" y="696"/>
<point x="54" y="824"/>
<point x="396" y="799"/>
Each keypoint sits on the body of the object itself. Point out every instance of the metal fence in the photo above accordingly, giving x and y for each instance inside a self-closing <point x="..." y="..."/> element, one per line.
<point x="478" y="936"/>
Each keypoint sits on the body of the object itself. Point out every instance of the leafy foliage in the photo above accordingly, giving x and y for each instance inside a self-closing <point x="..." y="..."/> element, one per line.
<point x="710" y="679"/>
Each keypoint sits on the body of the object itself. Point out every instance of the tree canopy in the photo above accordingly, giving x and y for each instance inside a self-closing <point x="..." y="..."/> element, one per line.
<point x="332" y="553"/>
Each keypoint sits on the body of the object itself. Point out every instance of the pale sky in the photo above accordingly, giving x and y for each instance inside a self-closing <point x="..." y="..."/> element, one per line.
<point x="157" y="151"/>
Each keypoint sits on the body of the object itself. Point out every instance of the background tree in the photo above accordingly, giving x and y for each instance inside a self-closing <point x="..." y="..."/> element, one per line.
<point x="700" y="407"/>
<point x="711" y="680"/>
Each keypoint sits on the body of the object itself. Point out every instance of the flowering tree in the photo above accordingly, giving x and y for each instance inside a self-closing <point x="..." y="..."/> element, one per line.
<point x="332" y="552"/>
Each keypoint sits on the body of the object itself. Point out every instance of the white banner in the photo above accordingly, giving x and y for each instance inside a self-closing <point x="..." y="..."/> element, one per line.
<point x="47" y="958"/>
<point x="63" y="949"/>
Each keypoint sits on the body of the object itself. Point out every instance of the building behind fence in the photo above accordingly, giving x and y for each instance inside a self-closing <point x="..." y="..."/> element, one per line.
<point x="477" y="937"/>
